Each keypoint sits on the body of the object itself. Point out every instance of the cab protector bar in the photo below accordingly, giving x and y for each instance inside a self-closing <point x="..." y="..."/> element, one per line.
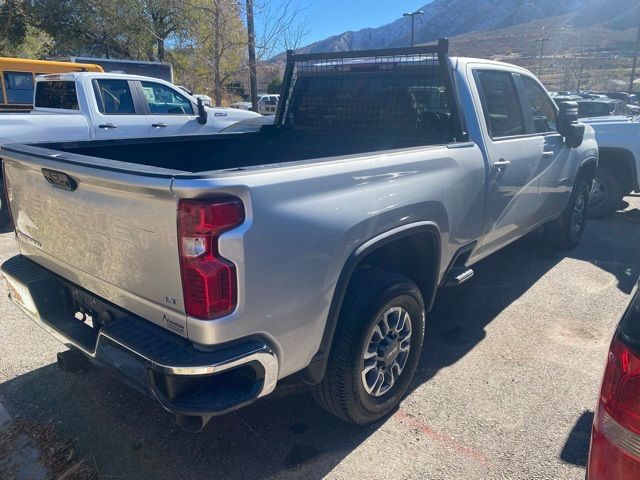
<point x="440" y="49"/>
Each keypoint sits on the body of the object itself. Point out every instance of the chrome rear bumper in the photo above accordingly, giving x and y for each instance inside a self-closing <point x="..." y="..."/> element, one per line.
<point x="185" y="379"/>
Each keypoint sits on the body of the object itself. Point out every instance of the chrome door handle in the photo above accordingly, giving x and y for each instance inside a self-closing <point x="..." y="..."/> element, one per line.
<point x="501" y="164"/>
<point x="160" y="125"/>
<point x="108" y="125"/>
<point x="548" y="154"/>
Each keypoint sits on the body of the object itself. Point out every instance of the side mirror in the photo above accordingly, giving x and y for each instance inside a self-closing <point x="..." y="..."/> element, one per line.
<point x="202" y="112"/>
<point x="568" y="125"/>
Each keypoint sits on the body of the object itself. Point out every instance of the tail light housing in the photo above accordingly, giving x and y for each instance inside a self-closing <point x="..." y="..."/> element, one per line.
<point x="615" y="439"/>
<point x="5" y="192"/>
<point x="209" y="281"/>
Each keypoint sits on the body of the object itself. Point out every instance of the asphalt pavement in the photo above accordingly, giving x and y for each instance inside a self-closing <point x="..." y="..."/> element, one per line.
<point x="505" y="388"/>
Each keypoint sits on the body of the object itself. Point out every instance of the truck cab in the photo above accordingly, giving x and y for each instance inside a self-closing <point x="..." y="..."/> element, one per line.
<point x="122" y="105"/>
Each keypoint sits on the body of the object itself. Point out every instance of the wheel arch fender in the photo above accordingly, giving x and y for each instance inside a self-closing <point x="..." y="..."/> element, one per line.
<point x="424" y="230"/>
<point x="622" y="160"/>
<point x="587" y="168"/>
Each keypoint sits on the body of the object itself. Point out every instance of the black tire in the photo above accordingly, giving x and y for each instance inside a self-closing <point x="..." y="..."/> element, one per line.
<point x="566" y="231"/>
<point x="606" y="195"/>
<point x="371" y="293"/>
<point x="4" y="207"/>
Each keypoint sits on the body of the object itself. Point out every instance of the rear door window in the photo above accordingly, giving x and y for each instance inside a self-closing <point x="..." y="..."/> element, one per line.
<point x="500" y="103"/>
<point x="540" y="106"/>
<point x="114" y="97"/>
<point x="163" y="100"/>
<point x="19" y="87"/>
<point x="57" y="94"/>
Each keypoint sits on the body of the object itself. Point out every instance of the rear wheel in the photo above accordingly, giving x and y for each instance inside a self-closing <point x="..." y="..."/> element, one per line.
<point x="4" y="206"/>
<point x="606" y="194"/>
<point x="376" y="347"/>
<point x="566" y="231"/>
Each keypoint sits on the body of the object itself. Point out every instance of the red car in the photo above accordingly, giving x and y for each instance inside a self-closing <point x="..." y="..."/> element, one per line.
<point x="615" y="437"/>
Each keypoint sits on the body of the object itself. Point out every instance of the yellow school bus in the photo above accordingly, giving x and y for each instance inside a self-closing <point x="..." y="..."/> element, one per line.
<point x="17" y="79"/>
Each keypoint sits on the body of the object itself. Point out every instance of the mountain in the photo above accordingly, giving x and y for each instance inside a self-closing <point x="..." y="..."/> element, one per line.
<point x="450" y="18"/>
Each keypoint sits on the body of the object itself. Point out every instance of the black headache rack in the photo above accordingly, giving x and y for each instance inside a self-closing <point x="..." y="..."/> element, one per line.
<point x="410" y="90"/>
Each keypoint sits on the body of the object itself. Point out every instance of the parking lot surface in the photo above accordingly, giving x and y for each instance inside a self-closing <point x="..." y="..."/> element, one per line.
<point x="505" y="388"/>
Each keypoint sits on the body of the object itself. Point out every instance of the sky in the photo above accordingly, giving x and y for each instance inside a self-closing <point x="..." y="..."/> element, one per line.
<point x="331" y="17"/>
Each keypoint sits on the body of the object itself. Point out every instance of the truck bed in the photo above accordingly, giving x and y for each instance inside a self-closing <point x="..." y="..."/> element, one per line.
<point x="195" y="154"/>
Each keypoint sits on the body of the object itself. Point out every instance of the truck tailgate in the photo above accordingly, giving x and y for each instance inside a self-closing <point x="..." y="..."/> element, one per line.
<point x="114" y="233"/>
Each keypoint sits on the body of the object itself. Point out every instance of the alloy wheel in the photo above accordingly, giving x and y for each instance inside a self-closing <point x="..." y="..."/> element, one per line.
<point x="386" y="351"/>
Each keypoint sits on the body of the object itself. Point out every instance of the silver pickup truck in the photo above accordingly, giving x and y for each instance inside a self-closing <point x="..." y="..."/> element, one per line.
<point x="204" y="270"/>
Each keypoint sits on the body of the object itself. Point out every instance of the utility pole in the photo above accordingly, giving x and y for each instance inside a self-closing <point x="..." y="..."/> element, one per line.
<point x="541" y="40"/>
<point x="253" y="77"/>
<point x="635" y="61"/>
<point x="412" y="15"/>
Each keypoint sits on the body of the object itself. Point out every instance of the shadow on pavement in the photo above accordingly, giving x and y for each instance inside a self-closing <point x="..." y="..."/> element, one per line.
<point x="576" y="448"/>
<point x="612" y="245"/>
<point x="130" y="436"/>
<point x="459" y="317"/>
<point x="286" y="434"/>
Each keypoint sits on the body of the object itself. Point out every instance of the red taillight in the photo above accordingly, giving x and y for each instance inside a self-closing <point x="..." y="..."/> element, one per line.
<point x="620" y="395"/>
<point x="208" y="280"/>
<point x="615" y="439"/>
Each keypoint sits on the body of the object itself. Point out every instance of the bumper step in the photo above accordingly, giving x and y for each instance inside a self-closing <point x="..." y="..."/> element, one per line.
<point x="185" y="379"/>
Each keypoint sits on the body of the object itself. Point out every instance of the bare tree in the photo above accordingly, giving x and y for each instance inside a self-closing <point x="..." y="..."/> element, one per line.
<point x="294" y="37"/>
<point x="164" y="18"/>
<point x="214" y="48"/>
<point x="284" y="26"/>
<point x="218" y="38"/>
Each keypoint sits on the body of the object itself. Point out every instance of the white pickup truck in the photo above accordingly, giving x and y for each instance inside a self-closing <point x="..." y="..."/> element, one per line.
<point x="618" y="171"/>
<point x="103" y="106"/>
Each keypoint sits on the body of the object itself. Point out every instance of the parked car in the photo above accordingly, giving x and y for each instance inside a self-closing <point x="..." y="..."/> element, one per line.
<point x="600" y="107"/>
<point x="100" y="106"/>
<point x="559" y="99"/>
<point x="618" y="171"/>
<point x="267" y="104"/>
<point x="241" y="105"/>
<point x="630" y="98"/>
<point x="615" y="435"/>
<point x="594" y="96"/>
<point x="633" y="110"/>
<point x="213" y="267"/>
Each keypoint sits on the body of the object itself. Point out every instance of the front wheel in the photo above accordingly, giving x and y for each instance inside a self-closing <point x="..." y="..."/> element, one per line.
<point x="606" y="194"/>
<point x="376" y="347"/>
<point x="566" y="231"/>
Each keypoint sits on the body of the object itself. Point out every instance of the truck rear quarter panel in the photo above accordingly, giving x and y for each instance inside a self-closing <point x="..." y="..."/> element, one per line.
<point x="304" y="221"/>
